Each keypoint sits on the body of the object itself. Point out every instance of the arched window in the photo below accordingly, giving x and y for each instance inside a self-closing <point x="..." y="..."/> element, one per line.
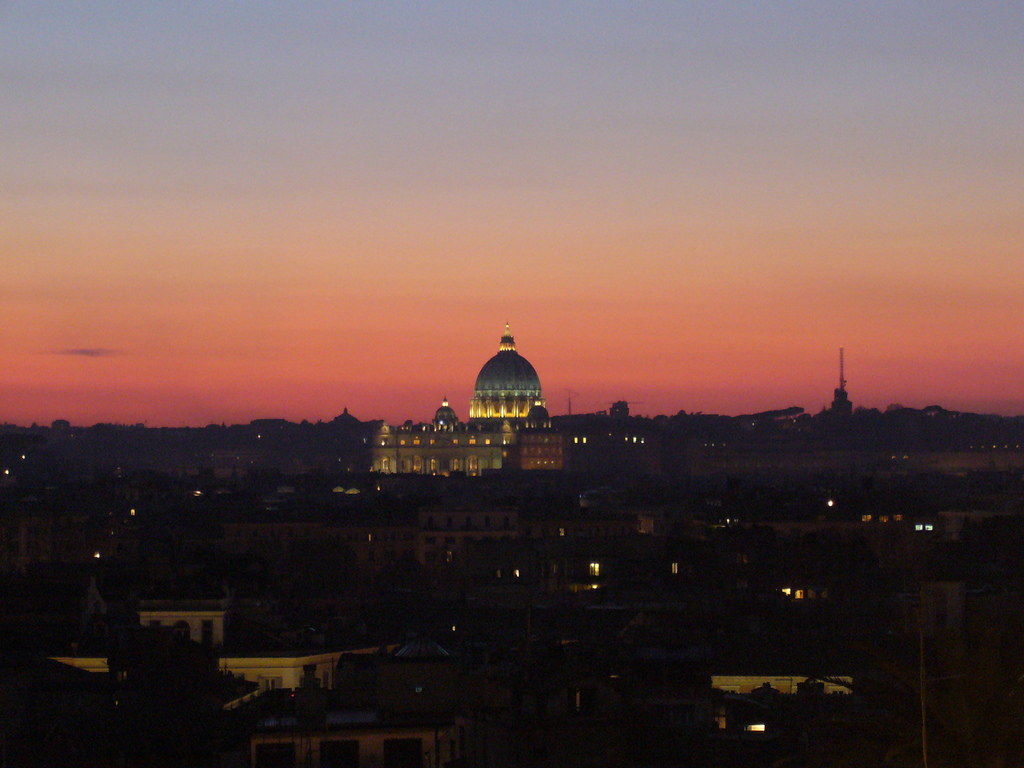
<point x="385" y="464"/>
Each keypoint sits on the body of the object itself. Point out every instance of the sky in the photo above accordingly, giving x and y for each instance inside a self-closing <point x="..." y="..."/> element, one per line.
<point x="221" y="211"/>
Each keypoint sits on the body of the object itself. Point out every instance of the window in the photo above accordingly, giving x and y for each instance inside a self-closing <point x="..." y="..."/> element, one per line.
<point x="403" y="753"/>
<point x="206" y="638"/>
<point x="675" y="568"/>
<point x="595" y="569"/>
<point x="275" y="755"/>
<point x="339" y="753"/>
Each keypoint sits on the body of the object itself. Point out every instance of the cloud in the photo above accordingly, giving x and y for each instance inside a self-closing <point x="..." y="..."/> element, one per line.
<point x="89" y="352"/>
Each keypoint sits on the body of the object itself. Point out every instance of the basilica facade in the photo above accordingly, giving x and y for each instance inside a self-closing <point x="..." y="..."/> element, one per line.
<point x="507" y="405"/>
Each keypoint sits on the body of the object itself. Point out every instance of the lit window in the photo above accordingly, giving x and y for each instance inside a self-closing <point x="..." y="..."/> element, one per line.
<point x="516" y="573"/>
<point x="918" y="527"/>
<point x="595" y="569"/>
<point x="787" y="591"/>
<point x="675" y="568"/>
<point x="898" y="518"/>
<point x="561" y="531"/>
<point x="754" y="727"/>
<point x="799" y="594"/>
<point x="865" y="518"/>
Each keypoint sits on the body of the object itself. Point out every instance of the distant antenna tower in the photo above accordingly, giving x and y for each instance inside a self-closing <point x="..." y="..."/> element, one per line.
<point x="571" y="394"/>
<point x="841" y="404"/>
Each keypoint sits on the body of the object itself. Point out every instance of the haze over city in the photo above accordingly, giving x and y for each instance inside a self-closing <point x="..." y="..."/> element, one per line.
<point x="221" y="212"/>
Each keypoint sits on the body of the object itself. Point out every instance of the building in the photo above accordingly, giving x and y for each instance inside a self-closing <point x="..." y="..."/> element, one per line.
<point x="507" y="403"/>
<point x="507" y="387"/>
<point x="443" y="447"/>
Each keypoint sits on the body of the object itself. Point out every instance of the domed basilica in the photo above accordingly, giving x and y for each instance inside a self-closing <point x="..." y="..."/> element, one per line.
<point x="507" y="404"/>
<point x="507" y="387"/>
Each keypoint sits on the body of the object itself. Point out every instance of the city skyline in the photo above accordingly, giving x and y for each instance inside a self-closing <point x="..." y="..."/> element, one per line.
<point x="215" y="214"/>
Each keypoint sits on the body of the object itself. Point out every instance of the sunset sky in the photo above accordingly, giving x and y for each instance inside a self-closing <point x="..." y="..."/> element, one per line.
<point x="221" y="211"/>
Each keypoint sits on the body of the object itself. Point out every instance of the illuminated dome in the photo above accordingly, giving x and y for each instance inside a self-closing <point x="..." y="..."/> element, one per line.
<point x="507" y="386"/>
<point x="445" y="417"/>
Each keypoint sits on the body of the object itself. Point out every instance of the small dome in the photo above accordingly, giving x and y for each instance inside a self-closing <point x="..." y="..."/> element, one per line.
<point x="538" y="417"/>
<point x="445" y="417"/>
